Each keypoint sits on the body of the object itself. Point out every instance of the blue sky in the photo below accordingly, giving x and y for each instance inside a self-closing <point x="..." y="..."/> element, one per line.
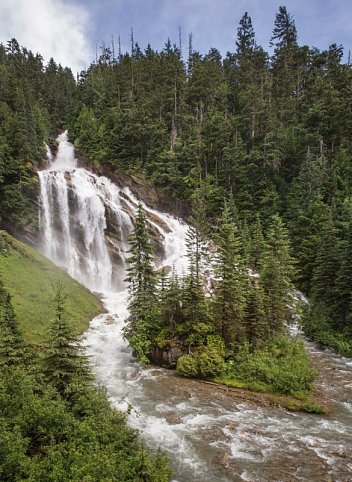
<point x="69" y="30"/>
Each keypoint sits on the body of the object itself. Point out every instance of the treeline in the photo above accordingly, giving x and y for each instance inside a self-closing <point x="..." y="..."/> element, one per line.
<point x="35" y="102"/>
<point x="55" y="426"/>
<point x="273" y="133"/>
<point x="229" y="323"/>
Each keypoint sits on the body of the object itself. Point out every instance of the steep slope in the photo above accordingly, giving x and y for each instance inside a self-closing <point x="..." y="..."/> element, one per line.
<point x="29" y="277"/>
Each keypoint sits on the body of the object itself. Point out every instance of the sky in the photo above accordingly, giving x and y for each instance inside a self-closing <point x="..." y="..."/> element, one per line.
<point x="71" y="31"/>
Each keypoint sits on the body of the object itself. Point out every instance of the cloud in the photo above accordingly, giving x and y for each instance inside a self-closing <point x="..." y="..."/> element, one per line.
<point x="53" y="28"/>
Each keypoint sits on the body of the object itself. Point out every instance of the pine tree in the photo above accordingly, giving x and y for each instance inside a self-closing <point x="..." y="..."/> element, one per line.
<point x="11" y="342"/>
<point x="171" y="302"/>
<point x="64" y="361"/>
<point x="342" y="311"/>
<point x="326" y="267"/>
<point x="257" y="330"/>
<point x="143" y="319"/>
<point x="285" y="33"/>
<point x="277" y="270"/>
<point x="230" y="294"/>
<point x="195" y="309"/>
<point x="256" y="244"/>
<point x="245" y="43"/>
<point x="141" y="275"/>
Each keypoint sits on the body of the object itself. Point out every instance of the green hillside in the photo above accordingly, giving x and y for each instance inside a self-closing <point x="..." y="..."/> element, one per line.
<point x="29" y="277"/>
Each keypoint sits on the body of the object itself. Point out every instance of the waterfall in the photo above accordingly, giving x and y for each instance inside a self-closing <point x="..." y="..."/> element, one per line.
<point x="85" y="221"/>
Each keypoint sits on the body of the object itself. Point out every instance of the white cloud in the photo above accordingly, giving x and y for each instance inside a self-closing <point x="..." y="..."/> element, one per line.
<point x="52" y="28"/>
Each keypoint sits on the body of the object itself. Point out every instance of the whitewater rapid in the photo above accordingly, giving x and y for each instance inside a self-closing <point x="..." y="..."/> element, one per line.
<point x="209" y="436"/>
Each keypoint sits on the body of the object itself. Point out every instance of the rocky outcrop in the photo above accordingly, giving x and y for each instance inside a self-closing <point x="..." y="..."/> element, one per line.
<point x="167" y="356"/>
<point x="162" y="200"/>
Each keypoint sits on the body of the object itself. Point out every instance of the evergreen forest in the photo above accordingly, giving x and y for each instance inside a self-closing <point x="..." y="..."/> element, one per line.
<point x="252" y="149"/>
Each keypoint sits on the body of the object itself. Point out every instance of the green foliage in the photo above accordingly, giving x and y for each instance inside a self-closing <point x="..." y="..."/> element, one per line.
<point x="142" y="322"/>
<point x="230" y="294"/>
<point x="11" y="343"/>
<point x="35" y="101"/>
<point x="63" y="360"/>
<point x="206" y="362"/>
<point x="64" y="429"/>
<point x="277" y="270"/>
<point x="282" y="366"/>
<point x="187" y="366"/>
<point x="317" y="325"/>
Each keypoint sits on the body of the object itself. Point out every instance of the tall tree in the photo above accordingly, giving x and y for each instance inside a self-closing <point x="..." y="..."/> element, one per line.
<point x="141" y="276"/>
<point x="11" y="342"/>
<point x="232" y="283"/>
<point x="277" y="270"/>
<point x="326" y="267"/>
<point x="64" y="361"/>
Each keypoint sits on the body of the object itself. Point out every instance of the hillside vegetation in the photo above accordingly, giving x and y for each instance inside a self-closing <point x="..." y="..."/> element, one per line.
<point x="29" y="278"/>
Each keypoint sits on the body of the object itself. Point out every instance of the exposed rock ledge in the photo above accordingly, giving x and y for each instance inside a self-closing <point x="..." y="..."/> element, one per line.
<point x="162" y="200"/>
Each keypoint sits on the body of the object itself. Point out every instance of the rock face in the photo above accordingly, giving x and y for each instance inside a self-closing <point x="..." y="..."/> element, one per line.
<point x="162" y="200"/>
<point x="167" y="356"/>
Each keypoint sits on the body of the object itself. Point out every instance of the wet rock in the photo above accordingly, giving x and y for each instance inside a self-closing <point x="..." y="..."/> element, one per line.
<point x="167" y="356"/>
<point x="109" y="320"/>
<point x="166" y="269"/>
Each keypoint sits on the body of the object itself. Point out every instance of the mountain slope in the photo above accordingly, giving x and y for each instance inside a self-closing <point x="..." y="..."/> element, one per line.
<point x="29" y="277"/>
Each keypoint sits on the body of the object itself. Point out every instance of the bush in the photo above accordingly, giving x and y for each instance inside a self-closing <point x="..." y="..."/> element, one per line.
<point x="210" y="363"/>
<point x="206" y="362"/>
<point x="317" y="326"/>
<point x="187" y="366"/>
<point x="283" y="366"/>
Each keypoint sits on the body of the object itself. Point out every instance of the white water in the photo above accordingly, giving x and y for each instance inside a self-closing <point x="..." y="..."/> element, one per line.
<point x="85" y="221"/>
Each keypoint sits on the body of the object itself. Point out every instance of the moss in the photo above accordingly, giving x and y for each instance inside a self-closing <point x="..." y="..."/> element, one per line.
<point x="29" y="278"/>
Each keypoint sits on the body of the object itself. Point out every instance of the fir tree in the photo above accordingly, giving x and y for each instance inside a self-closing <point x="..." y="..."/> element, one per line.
<point x="64" y="362"/>
<point x="342" y="312"/>
<point x="11" y="342"/>
<point x="257" y="330"/>
<point x="143" y="316"/>
<point x="245" y="43"/>
<point x="141" y="275"/>
<point x="230" y="294"/>
<point x="256" y="244"/>
<point x="285" y="33"/>
<point x="277" y="270"/>
<point x="326" y="267"/>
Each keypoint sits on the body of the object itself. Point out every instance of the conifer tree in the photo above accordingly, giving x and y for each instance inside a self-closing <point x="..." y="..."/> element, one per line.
<point x="277" y="270"/>
<point x="326" y="267"/>
<point x="257" y="330"/>
<point x="11" y="342"/>
<point x="64" y="361"/>
<point x="171" y="302"/>
<point x="285" y="33"/>
<point x="256" y="244"/>
<point x="141" y="275"/>
<point x="230" y="295"/>
<point x="245" y="43"/>
<point x="197" y="320"/>
<point x="342" y="312"/>
<point x="144" y="316"/>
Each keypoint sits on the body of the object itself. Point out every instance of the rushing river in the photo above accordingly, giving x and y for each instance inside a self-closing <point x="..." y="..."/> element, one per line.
<point x="209" y="435"/>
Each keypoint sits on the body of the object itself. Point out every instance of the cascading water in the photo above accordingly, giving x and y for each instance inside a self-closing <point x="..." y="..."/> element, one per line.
<point x="211" y="437"/>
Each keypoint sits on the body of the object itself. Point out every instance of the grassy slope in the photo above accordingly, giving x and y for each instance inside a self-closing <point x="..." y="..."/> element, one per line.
<point x="29" y="277"/>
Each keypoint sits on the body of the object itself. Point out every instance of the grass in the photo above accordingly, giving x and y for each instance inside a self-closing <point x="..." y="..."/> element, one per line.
<point x="29" y="277"/>
<point x="304" y="402"/>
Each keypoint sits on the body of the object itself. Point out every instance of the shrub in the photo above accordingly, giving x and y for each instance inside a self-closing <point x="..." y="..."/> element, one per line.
<point x="283" y="366"/>
<point x="210" y="363"/>
<point x="187" y="366"/>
